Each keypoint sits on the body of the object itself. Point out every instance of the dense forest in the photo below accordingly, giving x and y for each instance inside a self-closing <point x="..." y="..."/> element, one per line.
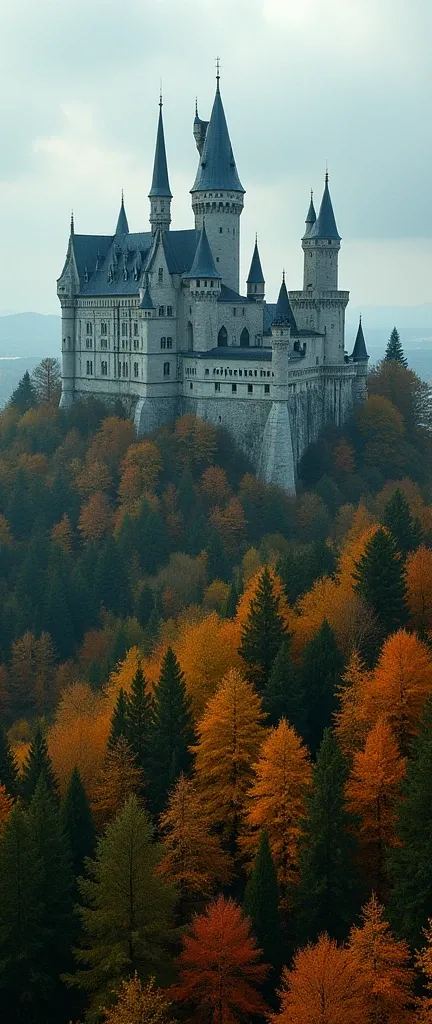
<point x="216" y="718"/>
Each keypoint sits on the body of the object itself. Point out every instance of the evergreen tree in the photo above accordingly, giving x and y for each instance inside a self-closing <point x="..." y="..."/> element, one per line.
<point x="301" y="566"/>
<point x="320" y="676"/>
<point x="405" y="530"/>
<point x="24" y="397"/>
<point x="394" y="348"/>
<point x="8" y="765"/>
<point x="410" y="862"/>
<point x="119" y="720"/>
<point x="57" y="617"/>
<point x="37" y="763"/>
<point x="21" y="910"/>
<point x="379" y="580"/>
<point x="171" y="732"/>
<point x="78" y="823"/>
<point x="261" y="904"/>
<point x="111" y="582"/>
<point x="262" y="633"/>
<point x="327" y="896"/>
<point x="232" y="602"/>
<point x="144" y="605"/>
<point x="283" y="696"/>
<point x="138" y="720"/>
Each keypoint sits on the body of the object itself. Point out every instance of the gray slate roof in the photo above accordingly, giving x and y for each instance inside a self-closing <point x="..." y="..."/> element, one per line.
<point x="229" y="295"/>
<point x="255" y="275"/>
<point x="138" y="248"/>
<point x="160" y="183"/>
<point x="224" y="352"/>
<point x="283" y="312"/>
<point x="310" y="218"/>
<point x="147" y="301"/>
<point x="360" y="354"/>
<point x="203" y="264"/>
<point x="217" y="168"/>
<point x="325" y="224"/>
<point x="122" y="223"/>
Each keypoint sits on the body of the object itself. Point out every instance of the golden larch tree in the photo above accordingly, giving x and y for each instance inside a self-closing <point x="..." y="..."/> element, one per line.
<point x="120" y="777"/>
<point x="424" y="963"/>
<point x="350" y="724"/>
<point x="96" y="518"/>
<point x="193" y="857"/>
<point x="418" y="579"/>
<point x="323" y="986"/>
<point x="140" y="1004"/>
<point x="384" y="966"/>
<point x="400" y="685"/>
<point x="62" y="534"/>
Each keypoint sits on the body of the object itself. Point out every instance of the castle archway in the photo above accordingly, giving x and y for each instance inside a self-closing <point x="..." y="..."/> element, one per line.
<point x="223" y="338"/>
<point x="189" y="337"/>
<point x="244" y="338"/>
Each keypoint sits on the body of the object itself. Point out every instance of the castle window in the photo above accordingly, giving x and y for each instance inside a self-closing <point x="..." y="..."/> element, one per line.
<point x="89" y="369"/>
<point x="104" y="342"/>
<point x="89" y="343"/>
<point x="135" y="369"/>
<point x="316" y="361"/>
<point x="135" y="329"/>
<point x="169" y="311"/>
<point x="136" y="343"/>
<point x="250" y="389"/>
<point x="161" y="310"/>
<point x="160" y="275"/>
<point x="207" y="372"/>
<point x="243" y="311"/>
<point x="222" y="338"/>
<point x="234" y="310"/>
<point x="217" y="385"/>
<point x="163" y="342"/>
<point x="255" y="287"/>
<point x="255" y="373"/>
<point x="89" y="328"/>
<point x="124" y="329"/>
<point x="266" y="389"/>
<point x="198" y="284"/>
<point x="244" y="338"/>
<point x="167" y="369"/>
<point x="104" y="368"/>
<point x="119" y="369"/>
<point x="234" y="232"/>
<point x="250" y="373"/>
<point x="220" y="231"/>
<point x="191" y="385"/>
<point x="233" y="388"/>
<point x="169" y="342"/>
<point x="104" y="328"/>
<point x="125" y="370"/>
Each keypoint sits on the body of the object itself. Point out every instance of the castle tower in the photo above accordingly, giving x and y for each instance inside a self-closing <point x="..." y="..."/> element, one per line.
<point x="160" y="193"/>
<point x="217" y="194"/>
<point x="361" y="358"/>
<point x="66" y="288"/>
<point x="255" y="280"/>
<point x="277" y="458"/>
<point x="311" y="217"/>
<point x="321" y="245"/>
<point x="205" y="284"/>
<point x="122" y="223"/>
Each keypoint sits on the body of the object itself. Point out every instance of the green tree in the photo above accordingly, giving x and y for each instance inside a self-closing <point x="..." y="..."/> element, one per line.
<point x="138" y="720"/>
<point x="119" y="720"/>
<point x="328" y="894"/>
<point x="262" y="632"/>
<point x="379" y="580"/>
<point x="21" y="909"/>
<point x="37" y="763"/>
<point x="24" y="397"/>
<point x="283" y="696"/>
<point x="394" y="348"/>
<point x="171" y="732"/>
<point x="410" y="903"/>
<point x="320" y="676"/>
<point x="111" y="581"/>
<point x="46" y="380"/>
<point x="127" y="910"/>
<point x="405" y="530"/>
<point x="78" y="823"/>
<point x="8" y="765"/>
<point x="261" y="904"/>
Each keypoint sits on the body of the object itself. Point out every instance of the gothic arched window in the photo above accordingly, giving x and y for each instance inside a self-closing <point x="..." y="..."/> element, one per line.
<point x="223" y="338"/>
<point x="189" y="337"/>
<point x="244" y="338"/>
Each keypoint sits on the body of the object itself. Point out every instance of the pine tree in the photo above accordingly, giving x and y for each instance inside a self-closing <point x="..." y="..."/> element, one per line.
<point x="410" y="903"/>
<point x="261" y="904"/>
<point x="171" y="732"/>
<point x="262" y="633"/>
<point x="37" y="763"/>
<point x="394" y="349"/>
<point x="8" y="765"/>
<point x="119" y="719"/>
<point x="321" y="673"/>
<point x="127" y="909"/>
<point x="138" y="719"/>
<point x="24" y="397"/>
<point x="120" y="777"/>
<point x="405" y="530"/>
<point x="379" y="580"/>
<point x="21" y="911"/>
<point x="328" y="891"/>
<point x="78" y="823"/>
<point x="283" y="696"/>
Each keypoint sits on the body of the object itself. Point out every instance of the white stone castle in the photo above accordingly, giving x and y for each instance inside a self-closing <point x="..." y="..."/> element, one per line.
<point x="157" y="319"/>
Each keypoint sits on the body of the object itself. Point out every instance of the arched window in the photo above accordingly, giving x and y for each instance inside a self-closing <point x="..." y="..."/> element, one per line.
<point x="223" y="338"/>
<point x="189" y="337"/>
<point x="244" y="338"/>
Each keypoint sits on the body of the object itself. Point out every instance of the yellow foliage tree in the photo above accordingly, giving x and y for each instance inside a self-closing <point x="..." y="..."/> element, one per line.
<point x="424" y="962"/>
<point x="119" y="778"/>
<point x="96" y="518"/>
<point x="193" y="857"/>
<point x="383" y="964"/>
<point x="350" y="724"/>
<point x="62" y="535"/>
<point x="79" y="736"/>
<point x="400" y="685"/>
<point x="206" y="651"/>
<point x="418" y="579"/>
<point x="140" y="1004"/>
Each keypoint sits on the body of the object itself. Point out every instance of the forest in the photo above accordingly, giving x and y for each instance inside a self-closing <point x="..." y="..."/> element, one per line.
<point x="215" y="718"/>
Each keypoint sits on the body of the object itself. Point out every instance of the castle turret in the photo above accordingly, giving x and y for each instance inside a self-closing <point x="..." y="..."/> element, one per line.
<point x="321" y="245"/>
<point x="66" y="290"/>
<point x="276" y="458"/>
<point x="199" y="130"/>
<point x="282" y="325"/>
<point x="361" y="358"/>
<point x="160" y="193"/>
<point x="205" y="284"/>
<point x="217" y="195"/>
<point x="255" y="280"/>
<point x="122" y="223"/>
<point x="310" y="218"/>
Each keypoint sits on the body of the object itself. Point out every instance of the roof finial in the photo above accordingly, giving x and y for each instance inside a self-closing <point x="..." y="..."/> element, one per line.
<point x="72" y="224"/>
<point x="360" y="318"/>
<point x="311" y="195"/>
<point x="217" y="72"/>
<point x="326" y="174"/>
<point x="122" y="202"/>
<point x="256" y="237"/>
<point x="196" y="106"/>
<point x="283" y="276"/>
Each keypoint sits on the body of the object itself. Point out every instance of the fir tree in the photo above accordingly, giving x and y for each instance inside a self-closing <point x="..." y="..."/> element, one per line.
<point x="138" y="720"/>
<point x="78" y="823"/>
<point x="321" y="673"/>
<point x="394" y="348"/>
<point x="24" y="397"/>
<point x="119" y="720"/>
<point x="8" y="765"/>
<point x="405" y="530"/>
<point x="261" y="904"/>
<point x="262" y="633"/>
<point x="327" y="896"/>
<point x="37" y="763"/>
<point x="20" y="919"/>
<point x="171" y="732"/>
<point x="144" y="605"/>
<point x="410" y="862"/>
<point x="283" y="696"/>
<point x="232" y="602"/>
<point x="379" y="580"/>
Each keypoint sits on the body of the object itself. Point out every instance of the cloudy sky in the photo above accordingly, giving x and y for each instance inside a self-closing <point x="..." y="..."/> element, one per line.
<point x="304" y="82"/>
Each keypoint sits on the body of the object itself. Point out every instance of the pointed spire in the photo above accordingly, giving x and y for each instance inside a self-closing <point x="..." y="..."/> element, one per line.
<point x="203" y="264"/>
<point x="147" y="302"/>
<point x="360" y="354"/>
<point x="122" y="223"/>
<point x="283" y="312"/>
<point x="160" y="183"/>
<point x="72" y="224"/>
<point x="217" y="168"/>
<point x="311" y="216"/>
<point x="325" y="224"/>
<point x="255" y="275"/>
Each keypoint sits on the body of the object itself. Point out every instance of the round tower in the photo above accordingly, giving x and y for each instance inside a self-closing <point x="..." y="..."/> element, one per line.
<point x="160" y="193"/>
<point x="204" y="289"/>
<point x="321" y="245"/>
<point x="66" y="289"/>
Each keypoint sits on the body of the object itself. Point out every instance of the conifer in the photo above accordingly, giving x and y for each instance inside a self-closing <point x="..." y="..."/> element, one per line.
<point x="138" y="719"/>
<point x="261" y="904"/>
<point x="262" y="633"/>
<point x="8" y="765"/>
<point x="37" y="763"/>
<point x="283" y="696"/>
<point x="21" y="915"/>
<point x="383" y="964"/>
<point x="24" y="397"/>
<point x="379" y="580"/>
<point x="404" y="529"/>
<point x="171" y="732"/>
<point x="328" y="892"/>
<point x="119" y="720"/>
<point x="78" y="823"/>
<point x="321" y="673"/>
<point x="394" y="350"/>
<point x="120" y="777"/>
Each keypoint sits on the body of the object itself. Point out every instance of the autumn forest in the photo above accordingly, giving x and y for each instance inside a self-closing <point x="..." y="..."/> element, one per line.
<point x="215" y="719"/>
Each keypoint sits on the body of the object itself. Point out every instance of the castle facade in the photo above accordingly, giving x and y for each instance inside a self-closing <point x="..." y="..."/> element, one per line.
<point x="158" y="320"/>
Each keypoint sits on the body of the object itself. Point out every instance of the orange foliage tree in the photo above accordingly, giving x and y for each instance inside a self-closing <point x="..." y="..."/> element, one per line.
<point x="79" y="736"/>
<point x="6" y="804"/>
<point x="62" y="534"/>
<point x="343" y="456"/>
<point x="230" y="522"/>
<point x="214" y="486"/>
<point x="196" y="440"/>
<point x="372" y="791"/>
<point x="96" y="518"/>
<point x="119" y="778"/>
<point x="418" y="579"/>
<point x="424" y="962"/>
<point x="146" y="459"/>
<point x="323" y="986"/>
<point x="277" y="798"/>
<point x="350" y="725"/>
<point x="219" y="967"/>
<point x="384" y="966"/>
<point x="398" y="688"/>
<point x="111" y="442"/>
<point x="193" y="858"/>
<point x="206" y="650"/>
<point x="229" y="738"/>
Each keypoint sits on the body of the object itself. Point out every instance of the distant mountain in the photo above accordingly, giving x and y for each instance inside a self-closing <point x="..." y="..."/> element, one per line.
<point x="30" y="334"/>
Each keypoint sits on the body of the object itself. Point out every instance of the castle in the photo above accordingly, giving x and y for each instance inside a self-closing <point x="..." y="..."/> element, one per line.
<point x="157" y="319"/>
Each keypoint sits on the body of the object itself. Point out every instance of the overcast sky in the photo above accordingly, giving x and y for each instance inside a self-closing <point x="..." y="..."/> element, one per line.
<point x="303" y="82"/>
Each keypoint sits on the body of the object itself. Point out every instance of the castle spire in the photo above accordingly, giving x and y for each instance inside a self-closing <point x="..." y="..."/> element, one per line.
<point x="122" y="223"/>
<point x="203" y="264"/>
<point x="72" y="224"/>
<point x="283" y="312"/>
<point x="325" y="224"/>
<point x="360" y="353"/>
<point x="160" y="183"/>
<point x="310" y="217"/>
<point x="255" y="280"/>
<point x="217" y="168"/>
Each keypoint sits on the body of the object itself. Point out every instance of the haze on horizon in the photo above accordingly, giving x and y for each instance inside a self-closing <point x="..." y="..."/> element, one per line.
<point x="346" y="82"/>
